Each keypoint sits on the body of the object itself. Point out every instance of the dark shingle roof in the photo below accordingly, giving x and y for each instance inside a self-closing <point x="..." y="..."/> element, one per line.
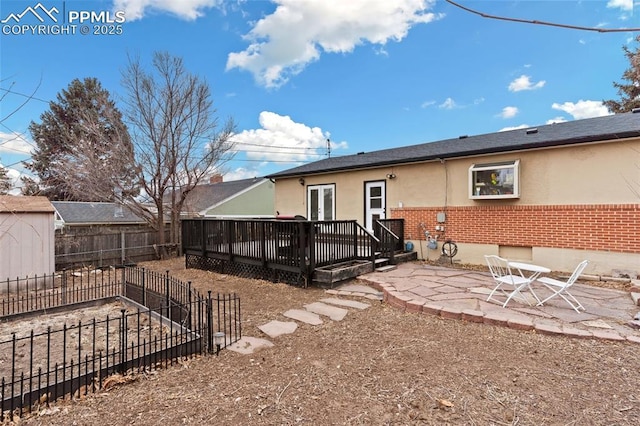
<point x="204" y="196"/>
<point x="610" y="127"/>
<point x="85" y="213"/>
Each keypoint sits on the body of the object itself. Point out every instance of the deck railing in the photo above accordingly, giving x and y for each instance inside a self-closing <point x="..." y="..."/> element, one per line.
<point x="289" y="248"/>
<point x="390" y="232"/>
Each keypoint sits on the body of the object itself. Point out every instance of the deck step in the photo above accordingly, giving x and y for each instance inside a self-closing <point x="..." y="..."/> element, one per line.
<point x="386" y="268"/>
<point x="381" y="260"/>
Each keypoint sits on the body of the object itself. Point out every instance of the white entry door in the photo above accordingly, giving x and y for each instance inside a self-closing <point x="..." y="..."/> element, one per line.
<point x="375" y="203"/>
<point x="321" y="202"/>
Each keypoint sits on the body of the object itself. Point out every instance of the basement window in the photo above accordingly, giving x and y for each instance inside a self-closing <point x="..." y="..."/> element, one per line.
<point x="494" y="180"/>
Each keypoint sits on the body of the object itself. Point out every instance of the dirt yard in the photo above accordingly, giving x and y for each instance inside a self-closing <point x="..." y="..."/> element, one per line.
<point x="378" y="366"/>
<point x="79" y="340"/>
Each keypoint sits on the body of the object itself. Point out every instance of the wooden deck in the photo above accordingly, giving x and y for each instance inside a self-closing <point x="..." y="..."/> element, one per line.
<point x="294" y="251"/>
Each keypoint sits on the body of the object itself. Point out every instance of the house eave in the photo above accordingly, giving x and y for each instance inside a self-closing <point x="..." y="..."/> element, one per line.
<point x="467" y="153"/>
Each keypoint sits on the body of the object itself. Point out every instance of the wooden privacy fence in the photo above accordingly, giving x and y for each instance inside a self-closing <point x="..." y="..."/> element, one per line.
<point x="106" y="245"/>
<point x="155" y="321"/>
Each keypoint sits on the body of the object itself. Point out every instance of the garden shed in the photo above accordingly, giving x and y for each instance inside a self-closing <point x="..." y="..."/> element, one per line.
<point x="26" y="236"/>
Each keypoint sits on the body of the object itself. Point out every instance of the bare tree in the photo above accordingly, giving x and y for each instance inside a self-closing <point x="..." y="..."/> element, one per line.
<point x="176" y="135"/>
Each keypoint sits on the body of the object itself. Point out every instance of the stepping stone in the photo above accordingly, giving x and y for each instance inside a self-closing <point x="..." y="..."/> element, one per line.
<point x="347" y="303"/>
<point x="480" y="290"/>
<point x="597" y="324"/>
<point x="303" y="316"/>
<point x="278" y="328"/>
<point x="634" y="324"/>
<point x="336" y="314"/>
<point x="357" y="288"/>
<point x="247" y="345"/>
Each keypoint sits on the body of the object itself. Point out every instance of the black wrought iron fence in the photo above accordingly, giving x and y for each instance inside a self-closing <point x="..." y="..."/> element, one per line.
<point x="153" y="320"/>
<point x="50" y="291"/>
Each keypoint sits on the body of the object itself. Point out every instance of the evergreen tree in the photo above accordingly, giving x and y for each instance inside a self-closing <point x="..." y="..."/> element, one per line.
<point x="29" y="186"/>
<point x="5" y="181"/>
<point x="83" y="150"/>
<point x="630" y="91"/>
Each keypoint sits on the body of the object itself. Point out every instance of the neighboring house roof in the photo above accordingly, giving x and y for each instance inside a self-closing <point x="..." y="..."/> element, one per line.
<point x="86" y="213"/>
<point x="611" y="127"/>
<point x="206" y="196"/>
<point x="24" y="204"/>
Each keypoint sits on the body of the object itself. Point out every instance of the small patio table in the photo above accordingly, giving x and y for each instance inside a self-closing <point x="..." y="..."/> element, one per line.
<point x="533" y="272"/>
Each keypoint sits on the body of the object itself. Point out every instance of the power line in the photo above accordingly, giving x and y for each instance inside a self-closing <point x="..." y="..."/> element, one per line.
<point x="274" y="149"/>
<point x="551" y="24"/>
<point x="274" y="146"/>
<point x="17" y="135"/>
<point x="311" y="154"/>
<point x="23" y="95"/>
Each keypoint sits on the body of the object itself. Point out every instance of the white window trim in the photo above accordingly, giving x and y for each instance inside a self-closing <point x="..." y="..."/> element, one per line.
<point x="320" y="187"/>
<point x="515" y="165"/>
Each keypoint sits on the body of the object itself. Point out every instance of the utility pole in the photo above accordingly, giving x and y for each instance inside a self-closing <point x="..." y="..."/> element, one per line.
<point x="328" y="148"/>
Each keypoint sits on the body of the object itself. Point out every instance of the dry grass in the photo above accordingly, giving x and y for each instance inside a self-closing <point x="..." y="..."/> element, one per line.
<point x="376" y="367"/>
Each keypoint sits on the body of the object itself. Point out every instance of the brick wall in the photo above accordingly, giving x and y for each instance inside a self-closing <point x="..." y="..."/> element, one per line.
<point x="614" y="228"/>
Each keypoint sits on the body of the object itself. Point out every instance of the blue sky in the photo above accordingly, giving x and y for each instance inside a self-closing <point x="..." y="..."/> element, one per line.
<point x="366" y="74"/>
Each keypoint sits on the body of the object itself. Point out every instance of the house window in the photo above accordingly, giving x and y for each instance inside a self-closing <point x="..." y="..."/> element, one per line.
<point x="494" y="180"/>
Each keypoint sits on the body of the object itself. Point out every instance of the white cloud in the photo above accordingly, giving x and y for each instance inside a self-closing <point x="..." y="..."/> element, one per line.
<point x="15" y="176"/>
<point x="284" y="42"/>
<point x="427" y="104"/>
<point x="241" y="173"/>
<point x="509" y="112"/>
<point x="282" y="139"/>
<point x="185" y="9"/>
<point x="15" y="143"/>
<point x="524" y="83"/>
<point x="626" y="5"/>
<point x="448" y="104"/>
<point x="521" y="126"/>
<point x="556" y="120"/>
<point x="583" y="109"/>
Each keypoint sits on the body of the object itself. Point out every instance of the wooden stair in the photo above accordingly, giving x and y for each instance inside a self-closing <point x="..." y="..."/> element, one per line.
<point x="381" y="264"/>
<point x="329" y="276"/>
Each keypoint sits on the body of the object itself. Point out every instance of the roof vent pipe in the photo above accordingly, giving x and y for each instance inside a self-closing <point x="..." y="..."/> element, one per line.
<point x="532" y="131"/>
<point x="118" y="212"/>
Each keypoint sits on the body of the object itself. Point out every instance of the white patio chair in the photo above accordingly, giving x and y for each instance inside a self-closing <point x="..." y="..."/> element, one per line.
<point x="504" y="278"/>
<point x="561" y="288"/>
